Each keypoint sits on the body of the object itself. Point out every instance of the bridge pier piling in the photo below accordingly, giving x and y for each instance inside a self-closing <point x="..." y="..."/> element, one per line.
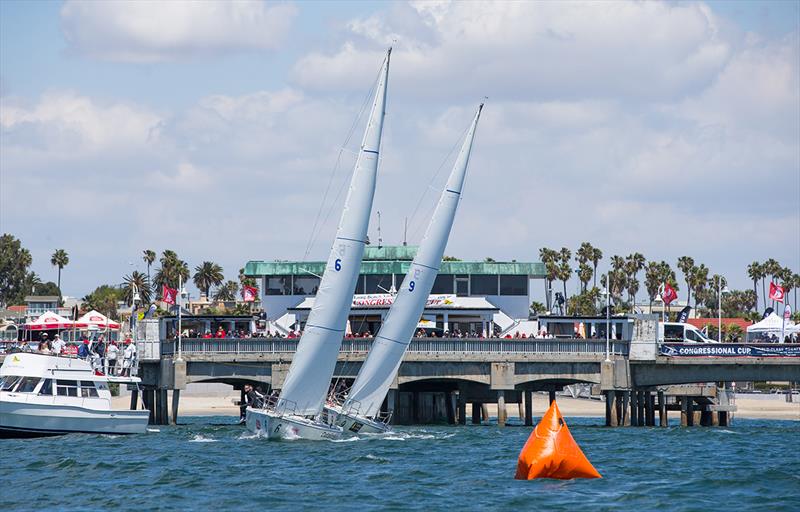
<point x="485" y="412"/>
<point x="651" y="409"/>
<point x="528" y="408"/>
<point x="462" y="408"/>
<point x="551" y="393"/>
<point x="501" y="408"/>
<point x="634" y="408"/>
<point x="609" y="408"/>
<point x="148" y="398"/>
<point x="391" y="405"/>
<point x="476" y="413"/>
<point x="134" y="399"/>
<point x="176" y="398"/>
<point x="450" y="408"/>
<point x="625" y="417"/>
<point x="663" y="417"/>
<point x="724" y="418"/>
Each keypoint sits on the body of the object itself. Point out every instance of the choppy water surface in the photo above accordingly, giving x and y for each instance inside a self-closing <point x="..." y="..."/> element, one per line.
<point x="206" y="464"/>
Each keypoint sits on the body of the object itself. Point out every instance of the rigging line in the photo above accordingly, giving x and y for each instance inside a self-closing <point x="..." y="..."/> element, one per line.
<point x="314" y="233"/>
<point x="430" y="186"/>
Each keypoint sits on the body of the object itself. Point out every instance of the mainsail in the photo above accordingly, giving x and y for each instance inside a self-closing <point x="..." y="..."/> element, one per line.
<point x="376" y="375"/>
<point x="312" y="367"/>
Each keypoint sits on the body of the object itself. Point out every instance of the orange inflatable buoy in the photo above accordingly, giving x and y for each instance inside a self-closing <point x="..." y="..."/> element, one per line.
<point x="551" y="452"/>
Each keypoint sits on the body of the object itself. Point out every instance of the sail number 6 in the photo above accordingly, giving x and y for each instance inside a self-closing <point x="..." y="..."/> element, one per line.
<point x="337" y="265"/>
<point x="411" y="286"/>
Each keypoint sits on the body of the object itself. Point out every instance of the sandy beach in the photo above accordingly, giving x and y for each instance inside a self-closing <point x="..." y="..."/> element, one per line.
<point x="749" y="406"/>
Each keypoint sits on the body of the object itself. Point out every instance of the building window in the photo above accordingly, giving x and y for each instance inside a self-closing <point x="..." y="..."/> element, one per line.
<point x="483" y="285"/>
<point x="359" y="285"/>
<point x="462" y="286"/>
<point x="306" y="285"/>
<point x="279" y="285"/>
<point x="398" y="281"/>
<point x="378" y="283"/>
<point x="513" y="285"/>
<point x="443" y="284"/>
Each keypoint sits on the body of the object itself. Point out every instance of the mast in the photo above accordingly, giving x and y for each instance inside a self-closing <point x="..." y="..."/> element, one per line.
<point x="383" y="360"/>
<point x="312" y="367"/>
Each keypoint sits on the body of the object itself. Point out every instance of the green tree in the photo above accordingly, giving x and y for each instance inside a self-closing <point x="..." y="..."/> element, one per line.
<point x="227" y="292"/>
<point x="771" y="269"/>
<point x="549" y="257"/>
<point x="104" y="299"/>
<point x="171" y="271"/>
<point x="206" y="275"/>
<point x="450" y="258"/>
<point x="633" y="264"/>
<point x="787" y="282"/>
<point x="246" y="280"/>
<point x="686" y="265"/>
<point x="14" y="263"/>
<point x="134" y="282"/>
<point x="564" y="271"/>
<point x="583" y="256"/>
<point x="59" y="259"/>
<point x="699" y="280"/>
<point x="755" y="272"/>
<point x="585" y="274"/>
<point x="584" y="304"/>
<point x="489" y="259"/>
<point x="149" y="257"/>
<point x="538" y="308"/>
<point x="49" y="288"/>
<point x="597" y="255"/>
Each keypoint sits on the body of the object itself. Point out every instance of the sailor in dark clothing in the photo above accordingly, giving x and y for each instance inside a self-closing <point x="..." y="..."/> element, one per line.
<point x="252" y="398"/>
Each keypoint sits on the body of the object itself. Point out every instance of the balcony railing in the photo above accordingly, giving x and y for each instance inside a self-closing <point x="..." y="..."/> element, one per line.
<point x="418" y="345"/>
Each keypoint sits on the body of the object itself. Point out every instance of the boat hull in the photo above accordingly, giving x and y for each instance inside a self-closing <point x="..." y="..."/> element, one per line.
<point x="38" y="420"/>
<point x="355" y="424"/>
<point x="266" y="423"/>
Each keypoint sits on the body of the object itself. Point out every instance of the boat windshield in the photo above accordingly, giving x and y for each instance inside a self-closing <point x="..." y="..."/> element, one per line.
<point x="8" y="382"/>
<point x="88" y="390"/>
<point x="28" y="384"/>
<point x="67" y="387"/>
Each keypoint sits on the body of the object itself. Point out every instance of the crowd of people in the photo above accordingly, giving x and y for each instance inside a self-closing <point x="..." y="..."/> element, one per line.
<point x="108" y="357"/>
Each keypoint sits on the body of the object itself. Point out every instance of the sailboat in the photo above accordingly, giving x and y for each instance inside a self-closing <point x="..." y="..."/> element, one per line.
<point x="298" y="411"/>
<point x="360" y="411"/>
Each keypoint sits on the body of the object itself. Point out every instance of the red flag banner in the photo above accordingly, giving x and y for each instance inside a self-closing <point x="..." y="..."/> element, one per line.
<point x="249" y="293"/>
<point x="775" y="292"/>
<point x="168" y="294"/>
<point x="669" y="294"/>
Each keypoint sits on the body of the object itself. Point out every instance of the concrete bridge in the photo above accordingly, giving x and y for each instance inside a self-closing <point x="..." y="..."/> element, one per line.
<point x="439" y="376"/>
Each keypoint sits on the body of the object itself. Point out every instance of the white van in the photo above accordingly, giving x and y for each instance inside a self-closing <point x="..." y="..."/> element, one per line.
<point x="675" y="332"/>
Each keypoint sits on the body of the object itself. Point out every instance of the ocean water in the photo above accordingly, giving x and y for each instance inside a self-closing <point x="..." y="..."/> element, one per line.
<point x="210" y="464"/>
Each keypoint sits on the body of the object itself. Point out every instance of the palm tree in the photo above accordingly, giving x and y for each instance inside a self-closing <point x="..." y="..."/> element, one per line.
<point x="172" y="270"/>
<point x="137" y="281"/>
<point x="549" y="257"/>
<point x="247" y="281"/>
<point x="652" y="281"/>
<point x="787" y="282"/>
<point x="771" y="268"/>
<point x="207" y="275"/>
<point x="595" y="258"/>
<point x="685" y="265"/>
<point x="59" y="259"/>
<point x="633" y="264"/>
<point x="564" y="268"/>
<point x="755" y="272"/>
<point x="227" y="292"/>
<point x="149" y="257"/>
<point x="698" y="281"/>
<point x="583" y="255"/>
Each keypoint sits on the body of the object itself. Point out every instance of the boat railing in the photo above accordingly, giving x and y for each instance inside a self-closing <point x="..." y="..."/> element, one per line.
<point x="359" y="346"/>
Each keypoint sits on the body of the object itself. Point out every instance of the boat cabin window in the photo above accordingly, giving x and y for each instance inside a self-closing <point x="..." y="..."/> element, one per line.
<point x="8" y="382"/>
<point x="28" y="384"/>
<point x="673" y="332"/>
<point x="87" y="389"/>
<point x="47" y="387"/>
<point x="102" y="386"/>
<point x="694" y="336"/>
<point x="67" y="388"/>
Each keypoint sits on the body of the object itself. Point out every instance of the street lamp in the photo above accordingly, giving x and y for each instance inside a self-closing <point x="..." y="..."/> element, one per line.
<point x="720" y="291"/>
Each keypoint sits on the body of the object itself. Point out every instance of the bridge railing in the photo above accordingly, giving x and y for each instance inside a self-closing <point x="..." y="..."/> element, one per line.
<point x="418" y="345"/>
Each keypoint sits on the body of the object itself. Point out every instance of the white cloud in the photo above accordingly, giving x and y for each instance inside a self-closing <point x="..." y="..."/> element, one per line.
<point x="531" y="49"/>
<point x="130" y="31"/>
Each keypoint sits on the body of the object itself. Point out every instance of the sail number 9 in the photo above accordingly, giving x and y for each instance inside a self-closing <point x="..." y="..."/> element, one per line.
<point x="411" y="286"/>
<point x="337" y="265"/>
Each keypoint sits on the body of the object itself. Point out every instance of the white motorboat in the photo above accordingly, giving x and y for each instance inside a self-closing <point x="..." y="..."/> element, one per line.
<point x="360" y="411"/>
<point x="46" y="395"/>
<point x="298" y="411"/>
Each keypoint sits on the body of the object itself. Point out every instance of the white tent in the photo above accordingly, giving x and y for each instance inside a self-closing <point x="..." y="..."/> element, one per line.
<point x="771" y="325"/>
<point x="97" y="319"/>
<point x="48" y="320"/>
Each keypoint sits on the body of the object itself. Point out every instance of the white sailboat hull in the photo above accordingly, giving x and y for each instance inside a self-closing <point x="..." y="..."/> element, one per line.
<point x="357" y="424"/>
<point x="269" y="424"/>
<point x="25" y="419"/>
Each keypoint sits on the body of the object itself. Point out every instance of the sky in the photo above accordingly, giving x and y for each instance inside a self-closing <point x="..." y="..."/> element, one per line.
<point x="213" y="129"/>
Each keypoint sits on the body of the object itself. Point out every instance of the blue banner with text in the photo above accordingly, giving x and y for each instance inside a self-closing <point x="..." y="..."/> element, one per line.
<point x="729" y="350"/>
